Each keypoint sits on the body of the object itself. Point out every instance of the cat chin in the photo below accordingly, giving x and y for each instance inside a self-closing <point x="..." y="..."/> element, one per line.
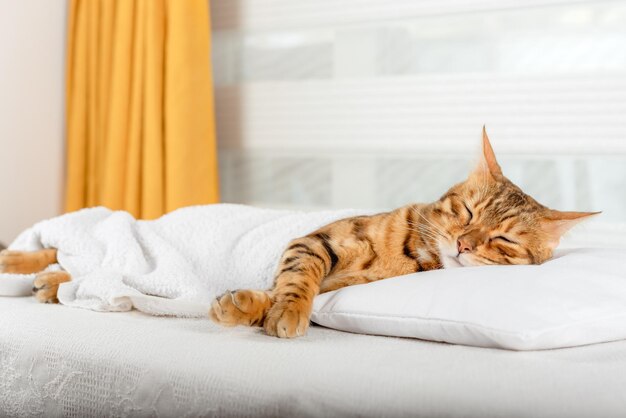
<point x="449" y="256"/>
<point x="450" y="262"/>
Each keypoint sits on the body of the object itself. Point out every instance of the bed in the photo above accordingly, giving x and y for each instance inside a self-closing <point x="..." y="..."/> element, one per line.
<point x="60" y="361"/>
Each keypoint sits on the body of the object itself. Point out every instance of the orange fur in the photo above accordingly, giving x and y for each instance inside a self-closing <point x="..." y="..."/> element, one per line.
<point x="46" y="285"/>
<point x="483" y="220"/>
<point x="21" y="262"/>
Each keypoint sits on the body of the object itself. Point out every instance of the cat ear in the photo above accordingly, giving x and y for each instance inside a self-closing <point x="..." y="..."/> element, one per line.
<point x="556" y="223"/>
<point x="489" y="157"/>
<point x="488" y="162"/>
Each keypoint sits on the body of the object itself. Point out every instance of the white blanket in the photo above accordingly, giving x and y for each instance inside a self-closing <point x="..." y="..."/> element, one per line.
<point x="175" y="265"/>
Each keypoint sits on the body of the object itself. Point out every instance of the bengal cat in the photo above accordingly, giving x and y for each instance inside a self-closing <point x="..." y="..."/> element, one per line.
<point x="484" y="220"/>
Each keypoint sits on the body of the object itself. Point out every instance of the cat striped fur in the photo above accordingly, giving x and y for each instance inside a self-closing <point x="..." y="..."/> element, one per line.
<point x="484" y="220"/>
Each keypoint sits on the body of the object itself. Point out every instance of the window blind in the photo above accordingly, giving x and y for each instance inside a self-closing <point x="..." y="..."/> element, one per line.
<point x="328" y="103"/>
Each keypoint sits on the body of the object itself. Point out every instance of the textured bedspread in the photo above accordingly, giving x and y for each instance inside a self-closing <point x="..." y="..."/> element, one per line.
<point x="60" y="361"/>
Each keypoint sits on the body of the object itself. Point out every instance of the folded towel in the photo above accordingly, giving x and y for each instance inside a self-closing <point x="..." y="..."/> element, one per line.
<point x="175" y="265"/>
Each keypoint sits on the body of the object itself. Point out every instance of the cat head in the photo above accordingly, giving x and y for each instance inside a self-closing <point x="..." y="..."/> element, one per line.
<point x="489" y="220"/>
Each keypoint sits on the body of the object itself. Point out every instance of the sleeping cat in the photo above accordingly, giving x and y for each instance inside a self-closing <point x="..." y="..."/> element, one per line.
<point x="484" y="220"/>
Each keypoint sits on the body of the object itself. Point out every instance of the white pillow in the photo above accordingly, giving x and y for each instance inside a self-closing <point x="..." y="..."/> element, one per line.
<point x="577" y="298"/>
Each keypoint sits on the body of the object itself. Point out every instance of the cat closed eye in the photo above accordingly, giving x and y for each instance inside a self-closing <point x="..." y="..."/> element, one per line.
<point x="471" y="215"/>
<point x="505" y="239"/>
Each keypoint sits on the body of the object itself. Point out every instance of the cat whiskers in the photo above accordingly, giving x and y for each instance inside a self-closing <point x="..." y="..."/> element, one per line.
<point x="423" y="230"/>
<point x="428" y="233"/>
<point x="416" y="226"/>
<point x="434" y="227"/>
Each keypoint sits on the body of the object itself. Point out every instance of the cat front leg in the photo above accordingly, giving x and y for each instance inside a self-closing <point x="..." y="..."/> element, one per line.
<point x="303" y="266"/>
<point x="283" y="311"/>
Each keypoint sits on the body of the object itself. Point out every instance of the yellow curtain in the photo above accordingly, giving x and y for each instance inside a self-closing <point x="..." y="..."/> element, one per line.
<point x="140" y="119"/>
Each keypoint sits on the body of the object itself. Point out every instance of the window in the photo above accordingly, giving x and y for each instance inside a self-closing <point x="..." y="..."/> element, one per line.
<point x="370" y="103"/>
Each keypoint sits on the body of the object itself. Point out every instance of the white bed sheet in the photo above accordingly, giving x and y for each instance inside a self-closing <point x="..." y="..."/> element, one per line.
<point x="60" y="361"/>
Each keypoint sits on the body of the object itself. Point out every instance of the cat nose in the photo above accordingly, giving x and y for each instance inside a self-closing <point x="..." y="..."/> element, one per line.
<point x="463" y="245"/>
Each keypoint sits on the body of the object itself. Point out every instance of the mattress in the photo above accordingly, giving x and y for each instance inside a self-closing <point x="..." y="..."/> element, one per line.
<point x="60" y="361"/>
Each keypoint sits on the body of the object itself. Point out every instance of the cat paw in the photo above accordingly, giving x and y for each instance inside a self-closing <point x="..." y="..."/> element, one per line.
<point x="46" y="286"/>
<point x="240" y="307"/>
<point x="287" y="319"/>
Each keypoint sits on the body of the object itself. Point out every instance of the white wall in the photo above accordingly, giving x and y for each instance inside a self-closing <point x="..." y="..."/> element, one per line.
<point x="32" y="63"/>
